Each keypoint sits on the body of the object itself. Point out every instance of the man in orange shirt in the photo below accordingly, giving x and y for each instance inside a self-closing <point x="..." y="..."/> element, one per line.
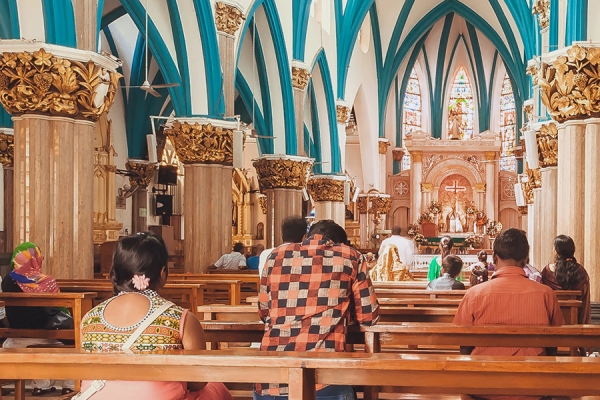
<point x="509" y="297"/>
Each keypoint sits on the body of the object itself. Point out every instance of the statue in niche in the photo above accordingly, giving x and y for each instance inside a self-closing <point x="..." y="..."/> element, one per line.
<point x="455" y="122"/>
<point x="260" y="231"/>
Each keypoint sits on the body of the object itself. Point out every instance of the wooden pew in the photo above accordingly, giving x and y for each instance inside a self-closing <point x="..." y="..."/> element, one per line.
<point x="453" y="294"/>
<point x="250" y="282"/>
<point x="568" y="376"/>
<point x="78" y="303"/>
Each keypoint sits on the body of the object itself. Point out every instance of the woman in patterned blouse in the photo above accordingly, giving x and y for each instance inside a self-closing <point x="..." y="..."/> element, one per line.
<point x="139" y="270"/>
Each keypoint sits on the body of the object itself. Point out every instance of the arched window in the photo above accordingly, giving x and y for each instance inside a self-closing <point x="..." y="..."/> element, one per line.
<point x="460" y="108"/>
<point x="406" y="161"/>
<point x="411" y="118"/>
<point x="507" y="126"/>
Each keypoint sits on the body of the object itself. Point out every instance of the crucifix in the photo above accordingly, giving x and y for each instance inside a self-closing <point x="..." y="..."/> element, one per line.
<point x="454" y="224"/>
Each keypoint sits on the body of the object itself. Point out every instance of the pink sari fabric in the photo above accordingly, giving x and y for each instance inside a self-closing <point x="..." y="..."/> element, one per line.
<point x="126" y="390"/>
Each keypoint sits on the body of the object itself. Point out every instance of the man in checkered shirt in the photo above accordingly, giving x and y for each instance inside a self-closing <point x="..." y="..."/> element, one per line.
<point x="308" y="294"/>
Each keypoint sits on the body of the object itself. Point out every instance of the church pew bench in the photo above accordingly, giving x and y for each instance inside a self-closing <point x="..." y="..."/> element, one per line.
<point x="217" y="291"/>
<point x="557" y="376"/>
<point x="238" y="313"/>
<point x="406" y="285"/>
<point x="453" y="294"/>
<point x="78" y="303"/>
<point x="189" y="295"/>
<point x="249" y="286"/>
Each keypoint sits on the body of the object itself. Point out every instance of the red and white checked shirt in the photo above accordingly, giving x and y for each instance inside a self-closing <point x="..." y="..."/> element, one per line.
<point x="308" y="294"/>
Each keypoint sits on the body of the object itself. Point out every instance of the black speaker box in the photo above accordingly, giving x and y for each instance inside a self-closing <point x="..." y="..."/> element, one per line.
<point x="167" y="175"/>
<point x="164" y="205"/>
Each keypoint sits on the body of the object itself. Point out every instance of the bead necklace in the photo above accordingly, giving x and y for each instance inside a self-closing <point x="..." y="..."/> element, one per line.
<point x="149" y="294"/>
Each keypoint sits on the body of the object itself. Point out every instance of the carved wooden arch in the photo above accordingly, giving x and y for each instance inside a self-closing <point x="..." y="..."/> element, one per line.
<point x="453" y="166"/>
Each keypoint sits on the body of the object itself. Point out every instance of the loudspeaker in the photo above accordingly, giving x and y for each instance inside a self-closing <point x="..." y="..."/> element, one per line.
<point x="164" y="205"/>
<point x="346" y="193"/>
<point x="151" y="142"/>
<point x="167" y="175"/>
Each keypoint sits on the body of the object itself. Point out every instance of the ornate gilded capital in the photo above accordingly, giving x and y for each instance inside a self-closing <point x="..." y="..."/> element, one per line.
<point x="7" y="150"/>
<point x="262" y="201"/>
<point x="416" y="156"/>
<point x="228" y="18"/>
<point x="533" y="71"/>
<point x="542" y="9"/>
<point x="378" y="204"/>
<point x="285" y="173"/>
<point x="534" y="177"/>
<point x="398" y="154"/>
<point x="522" y="210"/>
<point x="202" y="143"/>
<point x="547" y="141"/>
<point x="300" y="78"/>
<point x="326" y="189"/>
<point x="570" y="86"/>
<point x="528" y="110"/>
<point x="342" y="113"/>
<point x="41" y="83"/>
<point x="426" y="187"/>
<point x="490" y="155"/>
<point x="527" y="191"/>
<point x="480" y="187"/>
<point x="144" y="172"/>
<point x="383" y="146"/>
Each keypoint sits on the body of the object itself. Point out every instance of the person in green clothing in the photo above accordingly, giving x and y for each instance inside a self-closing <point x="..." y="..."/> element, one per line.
<point x="435" y="266"/>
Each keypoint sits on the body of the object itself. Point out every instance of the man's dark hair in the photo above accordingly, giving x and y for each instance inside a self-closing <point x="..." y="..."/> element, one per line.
<point x="512" y="244"/>
<point x="452" y="265"/>
<point x="330" y="230"/>
<point x="293" y="229"/>
<point x="239" y="247"/>
<point x="396" y="230"/>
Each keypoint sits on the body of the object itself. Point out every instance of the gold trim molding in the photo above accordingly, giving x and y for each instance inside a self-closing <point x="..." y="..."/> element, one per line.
<point x="522" y="210"/>
<point x="398" y="154"/>
<point x="282" y="173"/>
<point x="41" y="83"/>
<point x="326" y="189"/>
<point x="570" y="86"/>
<point x="342" y="113"/>
<point x="7" y="150"/>
<point x="228" y="18"/>
<point x="144" y="172"/>
<point x="547" y="141"/>
<point x="426" y="187"/>
<point x="534" y="177"/>
<point x="490" y="155"/>
<point x="480" y="187"/>
<point x="202" y="143"/>
<point x="542" y="9"/>
<point x="300" y="78"/>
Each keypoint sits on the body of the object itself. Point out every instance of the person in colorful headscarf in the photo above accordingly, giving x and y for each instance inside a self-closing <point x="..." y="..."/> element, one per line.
<point x="26" y="276"/>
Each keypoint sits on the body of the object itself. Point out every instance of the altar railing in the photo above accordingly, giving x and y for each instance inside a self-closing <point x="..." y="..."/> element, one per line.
<point x="421" y="261"/>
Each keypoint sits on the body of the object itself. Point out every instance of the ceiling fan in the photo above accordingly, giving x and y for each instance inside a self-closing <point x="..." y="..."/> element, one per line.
<point x="146" y="86"/>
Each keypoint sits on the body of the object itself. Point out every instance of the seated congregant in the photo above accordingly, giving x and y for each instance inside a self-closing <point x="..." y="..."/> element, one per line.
<point x="308" y="293"/>
<point x="140" y="320"/>
<point x="26" y="276"/>
<point x="435" y="266"/>
<point x="479" y="270"/>
<point x="451" y="268"/>
<point x="389" y="267"/>
<point x="252" y="262"/>
<point x="567" y="274"/>
<point x="509" y="297"/>
<point x="232" y="261"/>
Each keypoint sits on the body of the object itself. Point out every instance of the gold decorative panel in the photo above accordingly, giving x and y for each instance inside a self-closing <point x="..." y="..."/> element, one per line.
<point x="144" y="173"/>
<point x="285" y="173"/>
<point x="547" y="141"/>
<point x="202" y="143"/>
<point x="41" y="83"/>
<point x="228" y="18"/>
<point x="326" y="189"/>
<point x="300" y="78"/>
<point x="7" y="150"/>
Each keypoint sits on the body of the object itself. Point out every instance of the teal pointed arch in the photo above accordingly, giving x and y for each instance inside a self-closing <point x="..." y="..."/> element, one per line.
<point x="59" y="22"/>
<point x="283" y="64"/>
<point x="111" y="17"/>
<point x="515" y="65"/>
<point x="9" y="20"/>
<point x="348" y="22"/>
<point x="577" y="16"/>
<point x="321" y="61"/>
<point x="315" y="149"/>
<point x="553" y="38"/>
<point x="161" y="53"/>
<point x="300" y="14"/>
<point x="212" y="59"/>
<point x="181" y="51"/>
<point x="264" y="145"/>
<point x="99" y="10"/>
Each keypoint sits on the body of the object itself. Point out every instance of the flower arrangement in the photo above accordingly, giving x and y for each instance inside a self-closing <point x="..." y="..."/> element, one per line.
<point x="473" y="240"/>
<point x="425" y="217"/>
<point x="419" y="238"/>
<point x="493" y="228"/>
<point x="435" y="207"/>
<point x="413" y="229"/>
<point x="481" y="218"/>
<point x="471" y="209"/>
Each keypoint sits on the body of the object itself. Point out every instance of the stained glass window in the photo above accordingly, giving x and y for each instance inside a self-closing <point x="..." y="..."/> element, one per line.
<point x="507" y="126"/>
<point x="460" y="108"/>
<point x="406" y="161"/>
<point x="411" y="120"/>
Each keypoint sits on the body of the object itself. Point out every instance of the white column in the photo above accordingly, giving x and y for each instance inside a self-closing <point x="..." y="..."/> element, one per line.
<point x="343" y="115"/>
<point x="490" y="180"/>
<point x="416" y="175"/>
<point x="592" y="216"/>
<point x="383" y="147"/>
<point x="570" y="202"/>
<point x="300" y="78"/>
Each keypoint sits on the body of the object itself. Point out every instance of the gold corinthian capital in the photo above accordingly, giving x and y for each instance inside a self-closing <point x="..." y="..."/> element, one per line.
<point x="326" y="189"/>
<point x="7" y="150"/>
<point x="278" y="173"/>
<point x="300" y="78"/>
<point x="570" y="86"/>
<point x="202" y="143"/>
<point x="542" y="9"/>
<point x="143" y="170"/>
<point x="41" y="83"/>
<point x="228" y="18"/>
<point x="547" y="141"/>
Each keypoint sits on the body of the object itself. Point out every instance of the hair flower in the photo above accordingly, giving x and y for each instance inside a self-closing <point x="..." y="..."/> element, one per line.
<point x="140" y="282"/>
